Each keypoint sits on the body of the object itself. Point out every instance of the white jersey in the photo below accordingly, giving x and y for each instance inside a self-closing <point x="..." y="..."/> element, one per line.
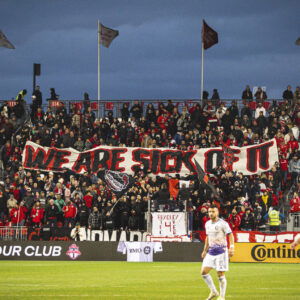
<point x="139" y="251"/>
<point x="216" y="233"/>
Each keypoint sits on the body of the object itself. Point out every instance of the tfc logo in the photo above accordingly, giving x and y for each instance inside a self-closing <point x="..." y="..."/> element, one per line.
<point x="147" y="250"/>
<point x="116" y="180"/>
<point x="73" y="252"/>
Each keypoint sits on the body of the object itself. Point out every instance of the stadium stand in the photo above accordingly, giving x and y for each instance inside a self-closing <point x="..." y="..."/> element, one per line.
<point x="36" y="198"/>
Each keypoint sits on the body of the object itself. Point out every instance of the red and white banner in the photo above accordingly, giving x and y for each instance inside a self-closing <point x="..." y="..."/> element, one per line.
<point x="168" y="224"/>
<point x="247" y="160"/>
<point x="258" y="237"/>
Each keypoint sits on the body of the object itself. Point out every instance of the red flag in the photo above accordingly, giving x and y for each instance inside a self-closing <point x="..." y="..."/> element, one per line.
<point x="209" y="36"/>
<point x="228" y="156"/>
<point x="107" y="35"/>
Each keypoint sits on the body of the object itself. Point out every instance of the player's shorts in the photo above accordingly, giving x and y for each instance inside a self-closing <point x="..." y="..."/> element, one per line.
<point x="218" y="262"/>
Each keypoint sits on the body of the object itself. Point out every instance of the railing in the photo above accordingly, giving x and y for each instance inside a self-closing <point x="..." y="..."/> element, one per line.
<point x="102" y="107"/>
<point x="14" y="233"/>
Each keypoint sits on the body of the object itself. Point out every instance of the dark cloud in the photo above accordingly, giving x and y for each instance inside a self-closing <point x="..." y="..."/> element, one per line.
<point x="158" y="52"/>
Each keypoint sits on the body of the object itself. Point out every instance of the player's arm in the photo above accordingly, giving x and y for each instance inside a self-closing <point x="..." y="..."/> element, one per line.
<point x="295" y="243"/>
<point x="231" y="244"/>
<point x="205" y="249"/>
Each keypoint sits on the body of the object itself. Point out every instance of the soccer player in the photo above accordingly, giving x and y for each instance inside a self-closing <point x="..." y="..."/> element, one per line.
<point x="296" y="242"/>
<point x="215" y="253"/>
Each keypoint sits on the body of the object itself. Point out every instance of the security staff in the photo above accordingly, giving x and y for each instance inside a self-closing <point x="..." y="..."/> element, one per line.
<point x="274" y="217"/>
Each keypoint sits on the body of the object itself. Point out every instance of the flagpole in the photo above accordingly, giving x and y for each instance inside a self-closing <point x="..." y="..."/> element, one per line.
<point x="202" y="72"/>
<point x="99" y="82"/>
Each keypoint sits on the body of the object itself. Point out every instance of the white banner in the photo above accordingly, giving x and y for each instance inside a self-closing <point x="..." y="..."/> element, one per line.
<point x="159" y="161"/>
<point x="169" y="224"/>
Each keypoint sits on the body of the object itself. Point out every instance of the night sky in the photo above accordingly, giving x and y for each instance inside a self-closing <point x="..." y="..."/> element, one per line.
<point x="158" y="51"/>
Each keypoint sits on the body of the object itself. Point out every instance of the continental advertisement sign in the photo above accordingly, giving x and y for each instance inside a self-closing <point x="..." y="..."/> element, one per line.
<point x="265" y="253"/>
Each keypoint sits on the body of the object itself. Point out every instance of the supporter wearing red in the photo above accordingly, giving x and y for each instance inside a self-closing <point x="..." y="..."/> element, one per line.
<point x="292" y="144"/>
<point x="88" y="199"/>
<point x="284" y="167"/>
<point x="18" y="215"/>
<point x="295" y="203"/>
<point x="37" y="214"/>
<point x="70" y="212"/>
<point x="162" y="120"/>
<point x="234" y="220"/>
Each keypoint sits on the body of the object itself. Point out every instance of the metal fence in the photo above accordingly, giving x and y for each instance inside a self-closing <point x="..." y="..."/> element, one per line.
<point x="102" y="107"/>
<point x="14" y="233"/>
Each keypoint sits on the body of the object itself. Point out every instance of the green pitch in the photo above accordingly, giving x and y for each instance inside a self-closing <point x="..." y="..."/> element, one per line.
<point x="122" y="280"/>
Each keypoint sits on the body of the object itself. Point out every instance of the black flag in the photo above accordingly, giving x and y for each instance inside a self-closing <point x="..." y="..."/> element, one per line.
<point x="205" y="179"/>
<point x="209" y="36"/>
<point x="118" y="182"/>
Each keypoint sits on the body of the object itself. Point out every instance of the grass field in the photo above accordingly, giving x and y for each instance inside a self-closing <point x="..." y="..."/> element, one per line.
<point x="122" y="280"/>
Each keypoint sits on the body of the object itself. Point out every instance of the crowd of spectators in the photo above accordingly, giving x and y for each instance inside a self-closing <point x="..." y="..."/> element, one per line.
<point x="34" y="198"/>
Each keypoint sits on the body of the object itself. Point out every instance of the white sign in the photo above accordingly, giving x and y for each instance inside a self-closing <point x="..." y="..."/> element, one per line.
<point x="169" y="224"/>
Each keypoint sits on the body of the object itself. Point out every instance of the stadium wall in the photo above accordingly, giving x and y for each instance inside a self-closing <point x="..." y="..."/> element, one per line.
<point x="92" y="251"/>
<point x="265" y="253"/>
<point x="171" y="252"/>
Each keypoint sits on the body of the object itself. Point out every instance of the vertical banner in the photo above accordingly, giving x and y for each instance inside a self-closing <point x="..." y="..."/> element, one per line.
<point x="169" y="224"/>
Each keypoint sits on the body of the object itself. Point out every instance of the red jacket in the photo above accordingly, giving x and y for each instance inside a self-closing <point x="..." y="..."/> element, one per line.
<point x="234" y="222"/>
<point x="295" y="204"/>
<point x="284" y="164"/>
<point x="37" y="215"/>
<point x="18" y="214"/>
<point x="70" y="211"/>
<point x="293" y="145"/>
<point x="161" y="120"/>
<point x="88" y="199"/>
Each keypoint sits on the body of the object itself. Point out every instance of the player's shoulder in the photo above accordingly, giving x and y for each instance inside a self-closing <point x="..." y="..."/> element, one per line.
<point x="208" y="223"/>
<point x="222" y="221"/>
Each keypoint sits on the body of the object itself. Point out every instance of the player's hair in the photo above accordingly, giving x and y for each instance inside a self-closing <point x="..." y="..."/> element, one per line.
<point x="213" y="206"/>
